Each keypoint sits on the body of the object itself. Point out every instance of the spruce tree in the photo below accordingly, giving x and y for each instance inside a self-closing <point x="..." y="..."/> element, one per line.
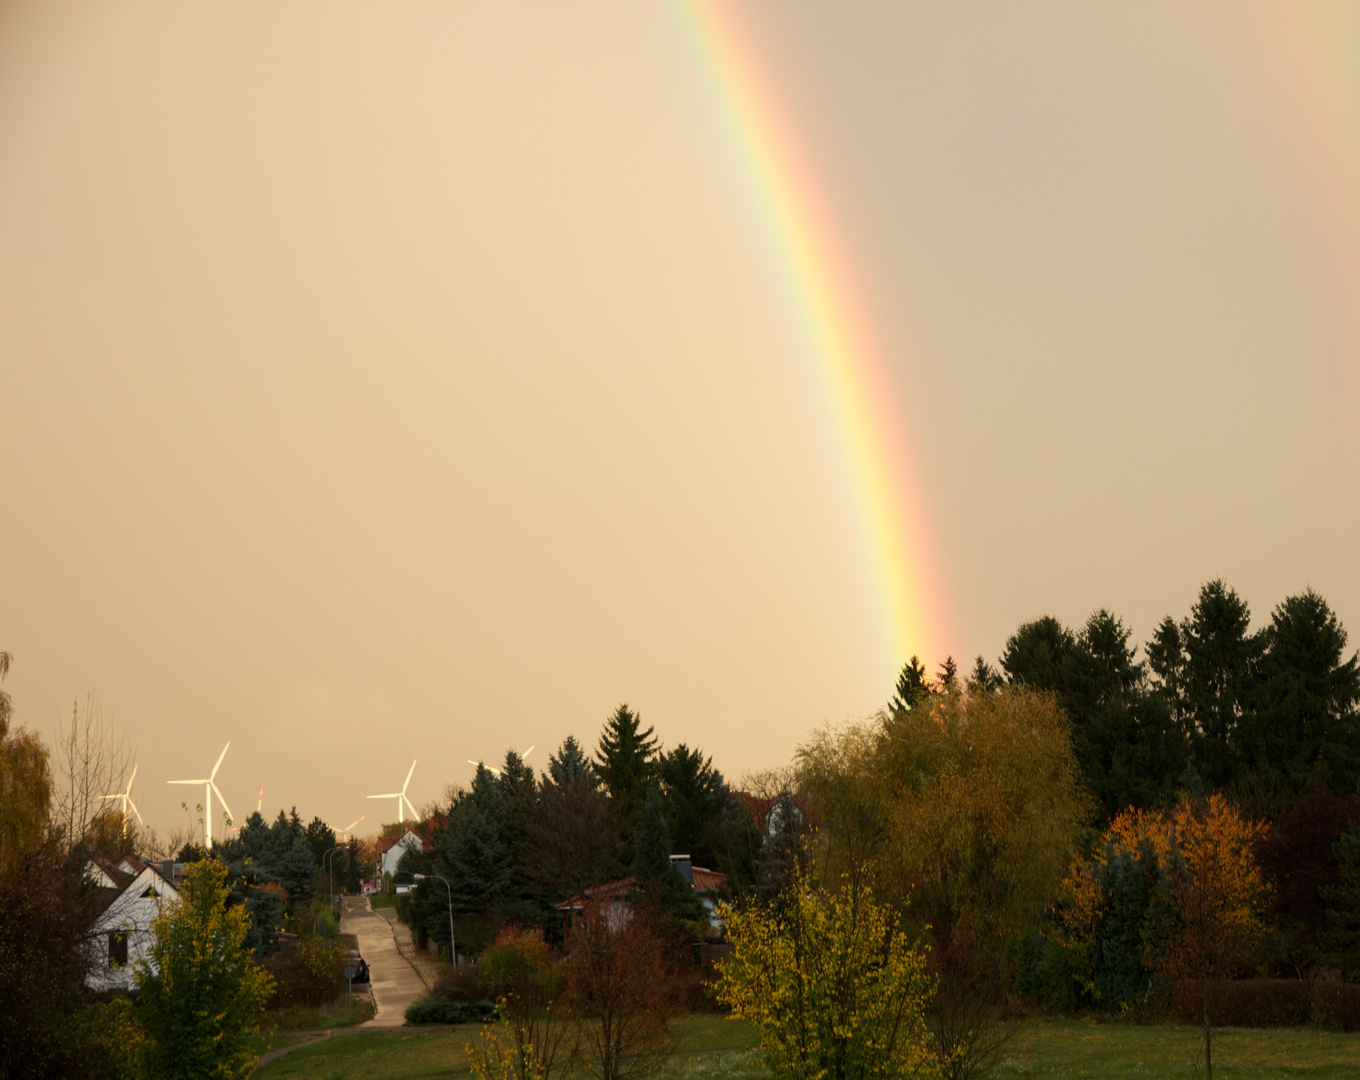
<point x="912" y="686"/>
<point x="626" y="764"/>
<point x="1308" y="729"/>
<point x="696" y="796"/>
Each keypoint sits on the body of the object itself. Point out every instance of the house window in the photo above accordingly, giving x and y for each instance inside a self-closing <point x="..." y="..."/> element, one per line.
<point x="117" y="949"/>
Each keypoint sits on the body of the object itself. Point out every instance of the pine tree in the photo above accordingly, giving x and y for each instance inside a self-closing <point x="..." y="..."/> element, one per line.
<point x="569" y="767"/>
<point x="1221" y="681"/>
<point x="912" y="686"/>
<point x="1308" y="728"/>
<point x="696" y="796"/>
<point x="652" y="866"/>
<point x="626" y="764"/>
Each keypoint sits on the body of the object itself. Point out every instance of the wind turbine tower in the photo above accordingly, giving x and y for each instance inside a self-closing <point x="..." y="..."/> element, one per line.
<point x="209" y="783"/>
<point x="126" y="796"/>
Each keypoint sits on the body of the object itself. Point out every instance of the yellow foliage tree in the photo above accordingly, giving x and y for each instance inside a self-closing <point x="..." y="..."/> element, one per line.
<point x="836" y="990"/>
<point x="201" y="990"/>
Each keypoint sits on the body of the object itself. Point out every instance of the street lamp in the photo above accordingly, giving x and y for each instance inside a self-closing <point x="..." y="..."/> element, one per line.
<point x="453" y="950"/>
<point x="330" y="896"/>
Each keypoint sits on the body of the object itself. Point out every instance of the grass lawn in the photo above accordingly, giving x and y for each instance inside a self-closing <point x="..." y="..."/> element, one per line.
<point x="318" y="1017"/>
<point x="714" y="1048"/>
<point x="1075" y="1048"/>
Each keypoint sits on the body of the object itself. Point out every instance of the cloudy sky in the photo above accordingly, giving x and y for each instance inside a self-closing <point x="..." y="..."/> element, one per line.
<point x="393" y="381"/>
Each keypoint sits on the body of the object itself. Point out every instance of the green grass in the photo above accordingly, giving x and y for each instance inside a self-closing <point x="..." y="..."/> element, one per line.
<point x="318" y="1017"/>
<point x="1078" y="1049"/>
<point x="403" y="1054"/>
<point x="715" y="1048"/>
<point x="380" y="900"/>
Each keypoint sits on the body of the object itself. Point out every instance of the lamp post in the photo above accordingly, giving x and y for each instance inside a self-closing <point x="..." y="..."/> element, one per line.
<point x="330" y="879"/>
<point x="453" y="949"/>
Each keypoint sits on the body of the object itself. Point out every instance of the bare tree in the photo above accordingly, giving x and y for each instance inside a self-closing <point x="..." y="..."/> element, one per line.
<point x="92" y="760"/>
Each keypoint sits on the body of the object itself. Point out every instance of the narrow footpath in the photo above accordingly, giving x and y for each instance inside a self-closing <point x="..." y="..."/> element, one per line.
<point x="395" y="982"/>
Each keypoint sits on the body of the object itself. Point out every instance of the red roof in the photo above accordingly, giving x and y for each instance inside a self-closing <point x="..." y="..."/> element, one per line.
<point x="708" y="880"/>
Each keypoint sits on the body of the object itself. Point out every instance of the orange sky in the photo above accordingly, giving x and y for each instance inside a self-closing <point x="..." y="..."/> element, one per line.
<point x="405" y="380"/>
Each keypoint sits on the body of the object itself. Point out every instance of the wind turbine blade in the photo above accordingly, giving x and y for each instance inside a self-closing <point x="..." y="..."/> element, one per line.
<point x="414" y="816"/>
<point x="525" y="756"/>
<point x="219" y="797"/>
<point x="389" y="795"/>
<point x="131" y="779"/>
<point x="213" y="775"/>
<point x="186" y="781"/>
<point x="137" y="812"/>
<point x="493" y="770"/>
<point x="260" y="803"/>
<point x="120" y="795"/>
<point x="408" y="778"/>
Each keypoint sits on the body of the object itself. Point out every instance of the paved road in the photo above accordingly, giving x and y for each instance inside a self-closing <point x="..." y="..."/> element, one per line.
<point x="395" y="982"/>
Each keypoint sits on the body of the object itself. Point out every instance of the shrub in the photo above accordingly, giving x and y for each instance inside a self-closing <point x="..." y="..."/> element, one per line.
<point x="1252" y="1003"/>
<point x="1337" y="1005"/>
<point x="307" y="971"/>
<point x="450" y="1010"/>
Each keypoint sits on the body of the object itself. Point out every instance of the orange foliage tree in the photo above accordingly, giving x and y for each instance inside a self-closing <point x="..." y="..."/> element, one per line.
<point x="1210" y="894"/>
<point x="1215" y="896"/>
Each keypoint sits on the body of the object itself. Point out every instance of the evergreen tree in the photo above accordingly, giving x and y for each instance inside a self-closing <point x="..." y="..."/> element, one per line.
<point x="471" y="852"/>
<point x="519" y="798"/>
<point x="984" y="678"/>
<point x="1222" y="673"/>
<point x="1038" y="653"/>
<point x="912" y="686"/>
<point x="696" y="796"/>
<point x="320" y="839"/>
<point x="1308" y="727"/>
<point x="949" y="674"/>
<point x="652" y="867"/>
<point x="1128" y="747"/>
<point x="569" y="767"/>
<point x="626" y="764"/>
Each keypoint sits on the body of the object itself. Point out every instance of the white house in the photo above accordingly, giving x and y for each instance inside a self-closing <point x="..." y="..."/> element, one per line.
<point x="391" y="851"/>
<point x="122" y="935"/>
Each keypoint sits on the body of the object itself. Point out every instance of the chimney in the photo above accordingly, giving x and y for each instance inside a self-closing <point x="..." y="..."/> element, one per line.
<point x="686" y="868"/>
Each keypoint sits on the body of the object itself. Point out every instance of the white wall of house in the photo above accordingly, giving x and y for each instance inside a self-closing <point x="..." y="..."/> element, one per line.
<point x="409" y="842"/>
<point x="122" y="935"/>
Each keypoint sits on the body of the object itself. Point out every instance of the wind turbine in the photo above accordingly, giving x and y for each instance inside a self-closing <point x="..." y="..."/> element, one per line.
<point x="126" y="796"/>
<point x="495" y="771"/>
<point x="345" y="832"/>
<point x="400" y="796"/>
<point x="209" y="786"/>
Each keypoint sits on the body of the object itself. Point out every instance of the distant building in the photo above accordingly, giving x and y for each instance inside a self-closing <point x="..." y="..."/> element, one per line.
<point x="617" y="896"/>
<point x="122" y="934"/>
<point x="391" y="849"/>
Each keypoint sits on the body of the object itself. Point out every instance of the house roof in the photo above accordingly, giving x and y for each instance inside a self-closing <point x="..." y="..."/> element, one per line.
<point x="387" y="843"/>
<point x="705" y="881"/>
<point x="596" y="894"/>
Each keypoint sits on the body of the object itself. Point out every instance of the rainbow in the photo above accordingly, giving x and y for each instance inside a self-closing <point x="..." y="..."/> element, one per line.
<point x="1308" y="52"/>
<point x="849" y="367"/>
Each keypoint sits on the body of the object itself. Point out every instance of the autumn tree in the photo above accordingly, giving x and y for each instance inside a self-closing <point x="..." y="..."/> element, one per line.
<point x="200" y="990"/>
<point x="836" y="989"/>
<point x="970" y="808"/>
<point x="534" y="1035"/>
<point x="1215" y="896"/>
<point x="621" y="983"/>
<point x="25" y="785"/>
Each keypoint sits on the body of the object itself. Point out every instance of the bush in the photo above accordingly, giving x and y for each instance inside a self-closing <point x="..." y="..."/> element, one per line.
<point x="307" y="971"/>
<point x="1245" y="1002"/>
<point x="451" y="1010"/>
<point x="1337" y="1004"/>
